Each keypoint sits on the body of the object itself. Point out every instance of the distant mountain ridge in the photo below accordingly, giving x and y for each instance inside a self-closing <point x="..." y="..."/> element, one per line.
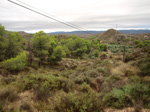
<point x="96" y="32"/>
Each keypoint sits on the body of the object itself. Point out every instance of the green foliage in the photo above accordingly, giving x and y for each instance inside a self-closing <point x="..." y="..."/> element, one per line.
<point x="96" y="53"/>
<point x="85" y="88"/>
<point x="128" y="95"/>
<point x="89" y="45"/>
<point x="45" y="82"/>
<point x="80" y="102"/>
<point x="11" y="45"/>
<point x="41" y="45"/>
<point x="66" y="50"/>
<point x="100" y="69"/>
<point x="142" y="44"/>
<point x="91" y="55"/>
<point x="145" y="67"/>
<point x="53" y="45"/>
<point x="82" y="79"/>
<point x="112" y="42"/>
<point x="103" y="47"/>
<point x="57" y="54"/>
<point x="2" y="48"/>
<point x="79" y="47"/>
<point x="16" y="64"/>
<point x="120" y="48"/>
<point x="2" y="30"/>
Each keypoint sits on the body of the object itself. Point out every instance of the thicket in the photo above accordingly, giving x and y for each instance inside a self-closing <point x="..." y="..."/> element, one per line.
<point x="80" y="102"/>
<point x="16" y="64"/>
<point x="142" y="44"/>
<point x="129" y="95"/>
<point x="144" y="66"/>
<point x="45" y="49"/>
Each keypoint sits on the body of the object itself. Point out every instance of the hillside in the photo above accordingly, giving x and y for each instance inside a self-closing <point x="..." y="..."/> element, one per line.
<point x="97" y="32"/>
<point x="67" y="73"/>
<point x="110" y="35"/>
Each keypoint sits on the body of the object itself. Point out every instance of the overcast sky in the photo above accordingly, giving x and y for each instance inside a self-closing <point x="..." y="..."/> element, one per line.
<point x="88" y="14"/>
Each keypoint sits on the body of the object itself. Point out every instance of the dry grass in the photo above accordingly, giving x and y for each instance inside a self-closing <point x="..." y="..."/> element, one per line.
<point x="125" y="110"/>
<point x="125" y="69"/>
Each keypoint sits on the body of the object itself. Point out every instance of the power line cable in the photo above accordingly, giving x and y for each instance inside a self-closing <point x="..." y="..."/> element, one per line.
<point x="18" y="13"/>
<point x="52" y="15"/>
<point x="47" y="16"/>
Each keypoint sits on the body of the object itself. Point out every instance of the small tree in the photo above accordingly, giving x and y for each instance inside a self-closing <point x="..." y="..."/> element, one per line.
<point x="13" y="44"/>
<point x="16" y="64"/>
<point x="66" y="50"/>
<point x="2" y="48"/>
<point x="57" y="55"/>
<point x="40" y="45"/>
<point x="79" y="47"/>
<point x="2" y="30"/>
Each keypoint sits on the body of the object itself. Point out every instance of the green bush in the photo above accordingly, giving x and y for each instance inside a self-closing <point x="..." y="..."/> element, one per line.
<point x="16" y="64"/>
<point x="85" y="88"/>
<point x="128" y="95"/>
<point x="96" y="53"/>
<point x="101" y="70"/>
<point x="145" y="67"/>
<point x="57" y="55"/>
<point x="82" y="79"/>
<point x="80" y="102"/>
<point x="50" y="82"/>
<point x="91" y="55"/>
<point x="103" y="47"/>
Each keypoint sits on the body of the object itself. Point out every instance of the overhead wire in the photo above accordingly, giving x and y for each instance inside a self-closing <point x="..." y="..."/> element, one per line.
<point x="51" y="15"/>
<point x="48" y="16"/>
<point x="29" y="17"/>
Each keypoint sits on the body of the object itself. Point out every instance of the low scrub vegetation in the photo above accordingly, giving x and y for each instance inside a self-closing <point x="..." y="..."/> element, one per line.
<point x="67" y="73"/>
<point x="16" y="64"/>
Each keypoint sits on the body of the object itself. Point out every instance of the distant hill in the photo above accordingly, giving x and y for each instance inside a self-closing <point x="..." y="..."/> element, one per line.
<point x="97" y="32"/>
<point x="77" y="32"/>
<point x="110" y="34"/>
<point x="23" y="33"/>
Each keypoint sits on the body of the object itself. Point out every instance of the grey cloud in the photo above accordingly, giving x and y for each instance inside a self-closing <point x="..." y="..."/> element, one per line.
<point x="138" y="17"/>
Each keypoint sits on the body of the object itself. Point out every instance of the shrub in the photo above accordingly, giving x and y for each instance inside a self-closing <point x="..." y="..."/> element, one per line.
<point x="145" y="67"/>
<point x="82" y="79"/>
<point x="129" y="58"/>
<point x="128" y="95"/>
<point x="80" y="102"/>
<point x="91" y="55"/>
<point x="101" y="70"/>
<point x="47" y="82"/>
<point x="112" y="42"/>
<point x="96" y="53"/>
<point x="85" y="88"/>
<point x="16" y="64"/>
<point x="57" y="55"/>
<point x="42" y="93"/>
<point x="92" y="73"/>
<point x="8" y="94"/>
<point x="103" y="47"/>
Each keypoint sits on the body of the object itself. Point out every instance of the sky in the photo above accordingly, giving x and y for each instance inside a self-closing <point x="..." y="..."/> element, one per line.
<point x="86" y="14"/>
